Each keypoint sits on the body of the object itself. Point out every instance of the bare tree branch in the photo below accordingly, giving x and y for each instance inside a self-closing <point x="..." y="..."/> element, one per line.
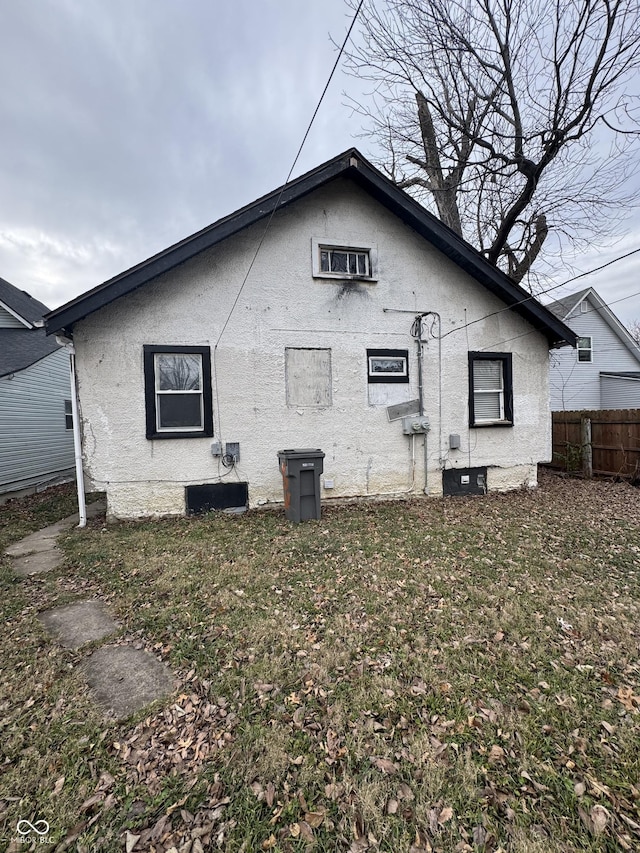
<point x="500" y="114"/>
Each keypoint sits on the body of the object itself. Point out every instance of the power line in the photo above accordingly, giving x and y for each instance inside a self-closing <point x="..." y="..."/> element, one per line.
<point x="533" y="331"/>
<point x="548" y="290"/>
<point x="293" y="165"/>
<point x="275" y="207"/>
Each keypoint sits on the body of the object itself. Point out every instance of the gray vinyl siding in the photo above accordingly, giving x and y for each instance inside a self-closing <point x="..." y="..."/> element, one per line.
<point x="8" y="321"/>
<point x="620" y="392"/>
<point x="575" y="385"/>
<point x="35" y="445"/>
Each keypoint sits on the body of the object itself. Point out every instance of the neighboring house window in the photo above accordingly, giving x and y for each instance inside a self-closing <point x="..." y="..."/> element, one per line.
<point x="68" y="415"/>
<point x="490" y="389"/>
<point x="335" y="260"/>
<point x="387" y="365"/>
<point x="584" y="307"/>
<point x="308" y="377"/>
<point x="178" y="397"/>
<point x="585" y="350"/>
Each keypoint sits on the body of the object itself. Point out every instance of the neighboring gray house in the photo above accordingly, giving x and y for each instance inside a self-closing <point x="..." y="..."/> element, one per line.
<point x="36" y="430"/>
<point x="316" y="317"/>
<point x="603" y="372"/>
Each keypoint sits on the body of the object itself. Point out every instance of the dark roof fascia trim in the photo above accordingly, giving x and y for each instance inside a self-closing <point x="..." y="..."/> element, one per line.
<point x="179" y="253"/>
<point x="349" y="164"/>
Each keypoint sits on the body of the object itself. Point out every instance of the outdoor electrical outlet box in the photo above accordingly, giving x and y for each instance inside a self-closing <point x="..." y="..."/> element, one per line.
<point x="328" y="484"/>
<point x="232" y="449"/>
<point x="216" y="448"/>
<point x="415" y="425"/>
<point x="454" y="442"/>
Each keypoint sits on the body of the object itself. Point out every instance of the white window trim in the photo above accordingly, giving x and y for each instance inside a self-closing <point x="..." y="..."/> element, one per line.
<point x="174" y="392"/>
<point x="588" y="349"/>
<point x="402" y="373"/>
<point x="318" y="243"/>
<point x="68" y="415"/>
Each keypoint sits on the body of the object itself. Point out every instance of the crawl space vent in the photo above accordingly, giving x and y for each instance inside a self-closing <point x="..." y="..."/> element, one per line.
<point x="216" y="496"/>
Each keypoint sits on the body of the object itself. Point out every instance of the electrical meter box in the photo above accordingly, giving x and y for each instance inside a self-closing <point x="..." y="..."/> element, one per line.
<point x="415" y="425"/>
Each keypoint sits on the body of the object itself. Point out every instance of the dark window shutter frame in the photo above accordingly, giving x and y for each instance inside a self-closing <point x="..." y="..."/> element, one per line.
<point x="507" y="377"/>
<point x="149" y="352"/>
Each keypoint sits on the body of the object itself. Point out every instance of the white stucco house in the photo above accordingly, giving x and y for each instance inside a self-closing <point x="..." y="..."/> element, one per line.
<point x="603" y="372"/>
<point x="36" y="439"/>
<point x="333" y="313"/>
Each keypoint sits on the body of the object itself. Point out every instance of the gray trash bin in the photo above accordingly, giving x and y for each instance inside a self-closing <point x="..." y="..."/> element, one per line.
<point x="301" y="469"/>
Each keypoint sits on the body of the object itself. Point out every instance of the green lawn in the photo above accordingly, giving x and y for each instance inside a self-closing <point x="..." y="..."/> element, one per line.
<point x="452" y="675"/>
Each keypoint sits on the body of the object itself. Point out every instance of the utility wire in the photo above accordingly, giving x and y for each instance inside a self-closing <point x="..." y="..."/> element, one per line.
<point x="293" y="165"/>
<point x="542" y="292"/>
<point x="533" y="331"/>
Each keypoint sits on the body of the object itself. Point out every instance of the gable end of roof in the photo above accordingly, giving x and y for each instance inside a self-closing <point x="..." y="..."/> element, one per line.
<point x="352" y="165"/>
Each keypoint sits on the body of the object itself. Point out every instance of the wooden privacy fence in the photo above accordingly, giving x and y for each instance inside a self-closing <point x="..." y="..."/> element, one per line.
<point x="598" y="442"/>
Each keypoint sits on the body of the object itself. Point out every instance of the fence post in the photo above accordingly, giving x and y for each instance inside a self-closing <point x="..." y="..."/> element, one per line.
<point x="587" y="450"/>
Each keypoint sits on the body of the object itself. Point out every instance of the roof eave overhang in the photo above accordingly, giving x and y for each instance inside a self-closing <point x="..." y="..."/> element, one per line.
<point x="63" y="319"/>
<point x="350" y="164"/>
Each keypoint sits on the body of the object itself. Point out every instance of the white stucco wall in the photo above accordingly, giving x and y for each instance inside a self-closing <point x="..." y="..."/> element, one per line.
<point x="282" y="305"/>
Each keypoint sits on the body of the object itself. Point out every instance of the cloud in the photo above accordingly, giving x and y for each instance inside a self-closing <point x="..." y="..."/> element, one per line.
<point x="128" y="126"/>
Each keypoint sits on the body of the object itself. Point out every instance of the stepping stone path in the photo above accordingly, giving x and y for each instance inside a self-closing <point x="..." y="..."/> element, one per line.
<point x="122" y="679"/>
<point x="74" y="625"/>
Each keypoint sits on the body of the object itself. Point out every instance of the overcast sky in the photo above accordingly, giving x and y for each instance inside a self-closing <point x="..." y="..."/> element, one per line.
<point x="129" y="124"/>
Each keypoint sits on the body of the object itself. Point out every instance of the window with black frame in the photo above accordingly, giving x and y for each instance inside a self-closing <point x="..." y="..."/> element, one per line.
<point x="178" y="396"/>
<point x="490" y="389"/>
<point x="387" y="365"/>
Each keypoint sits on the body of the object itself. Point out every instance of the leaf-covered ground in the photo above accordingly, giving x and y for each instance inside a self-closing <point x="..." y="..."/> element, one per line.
<point x="446" y="675"/>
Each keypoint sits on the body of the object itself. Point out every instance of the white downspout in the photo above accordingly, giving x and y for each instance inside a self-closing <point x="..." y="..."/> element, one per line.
<point x="77" y="441"/>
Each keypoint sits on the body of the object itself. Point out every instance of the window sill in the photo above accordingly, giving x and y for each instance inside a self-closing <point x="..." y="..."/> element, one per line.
<point x="482" y="424"/>
<point x="344" y="276"/>
<point x="152" y="436"/>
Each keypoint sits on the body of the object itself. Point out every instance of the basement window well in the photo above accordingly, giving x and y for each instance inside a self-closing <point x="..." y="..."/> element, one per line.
<point x="211" y="496"/>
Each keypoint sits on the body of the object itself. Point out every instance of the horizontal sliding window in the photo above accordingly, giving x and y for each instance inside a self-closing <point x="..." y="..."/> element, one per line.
<point x="343" y="261"/>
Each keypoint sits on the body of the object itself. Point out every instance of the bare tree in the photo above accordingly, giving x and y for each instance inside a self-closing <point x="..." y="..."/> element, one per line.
<point x="634" y="331"/>
<point x="510" y="117"/>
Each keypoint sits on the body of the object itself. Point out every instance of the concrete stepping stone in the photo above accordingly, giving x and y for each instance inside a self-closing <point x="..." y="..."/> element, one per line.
<point x="35" y="543"/>
<point x="36" y="562"/>
<point x="43" y="540"/>
<point x="123" y="679"/>
<point x="74" y="625"/>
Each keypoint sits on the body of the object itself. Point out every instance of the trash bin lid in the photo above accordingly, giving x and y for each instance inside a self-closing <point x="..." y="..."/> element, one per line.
<point x="301" y="453"/>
